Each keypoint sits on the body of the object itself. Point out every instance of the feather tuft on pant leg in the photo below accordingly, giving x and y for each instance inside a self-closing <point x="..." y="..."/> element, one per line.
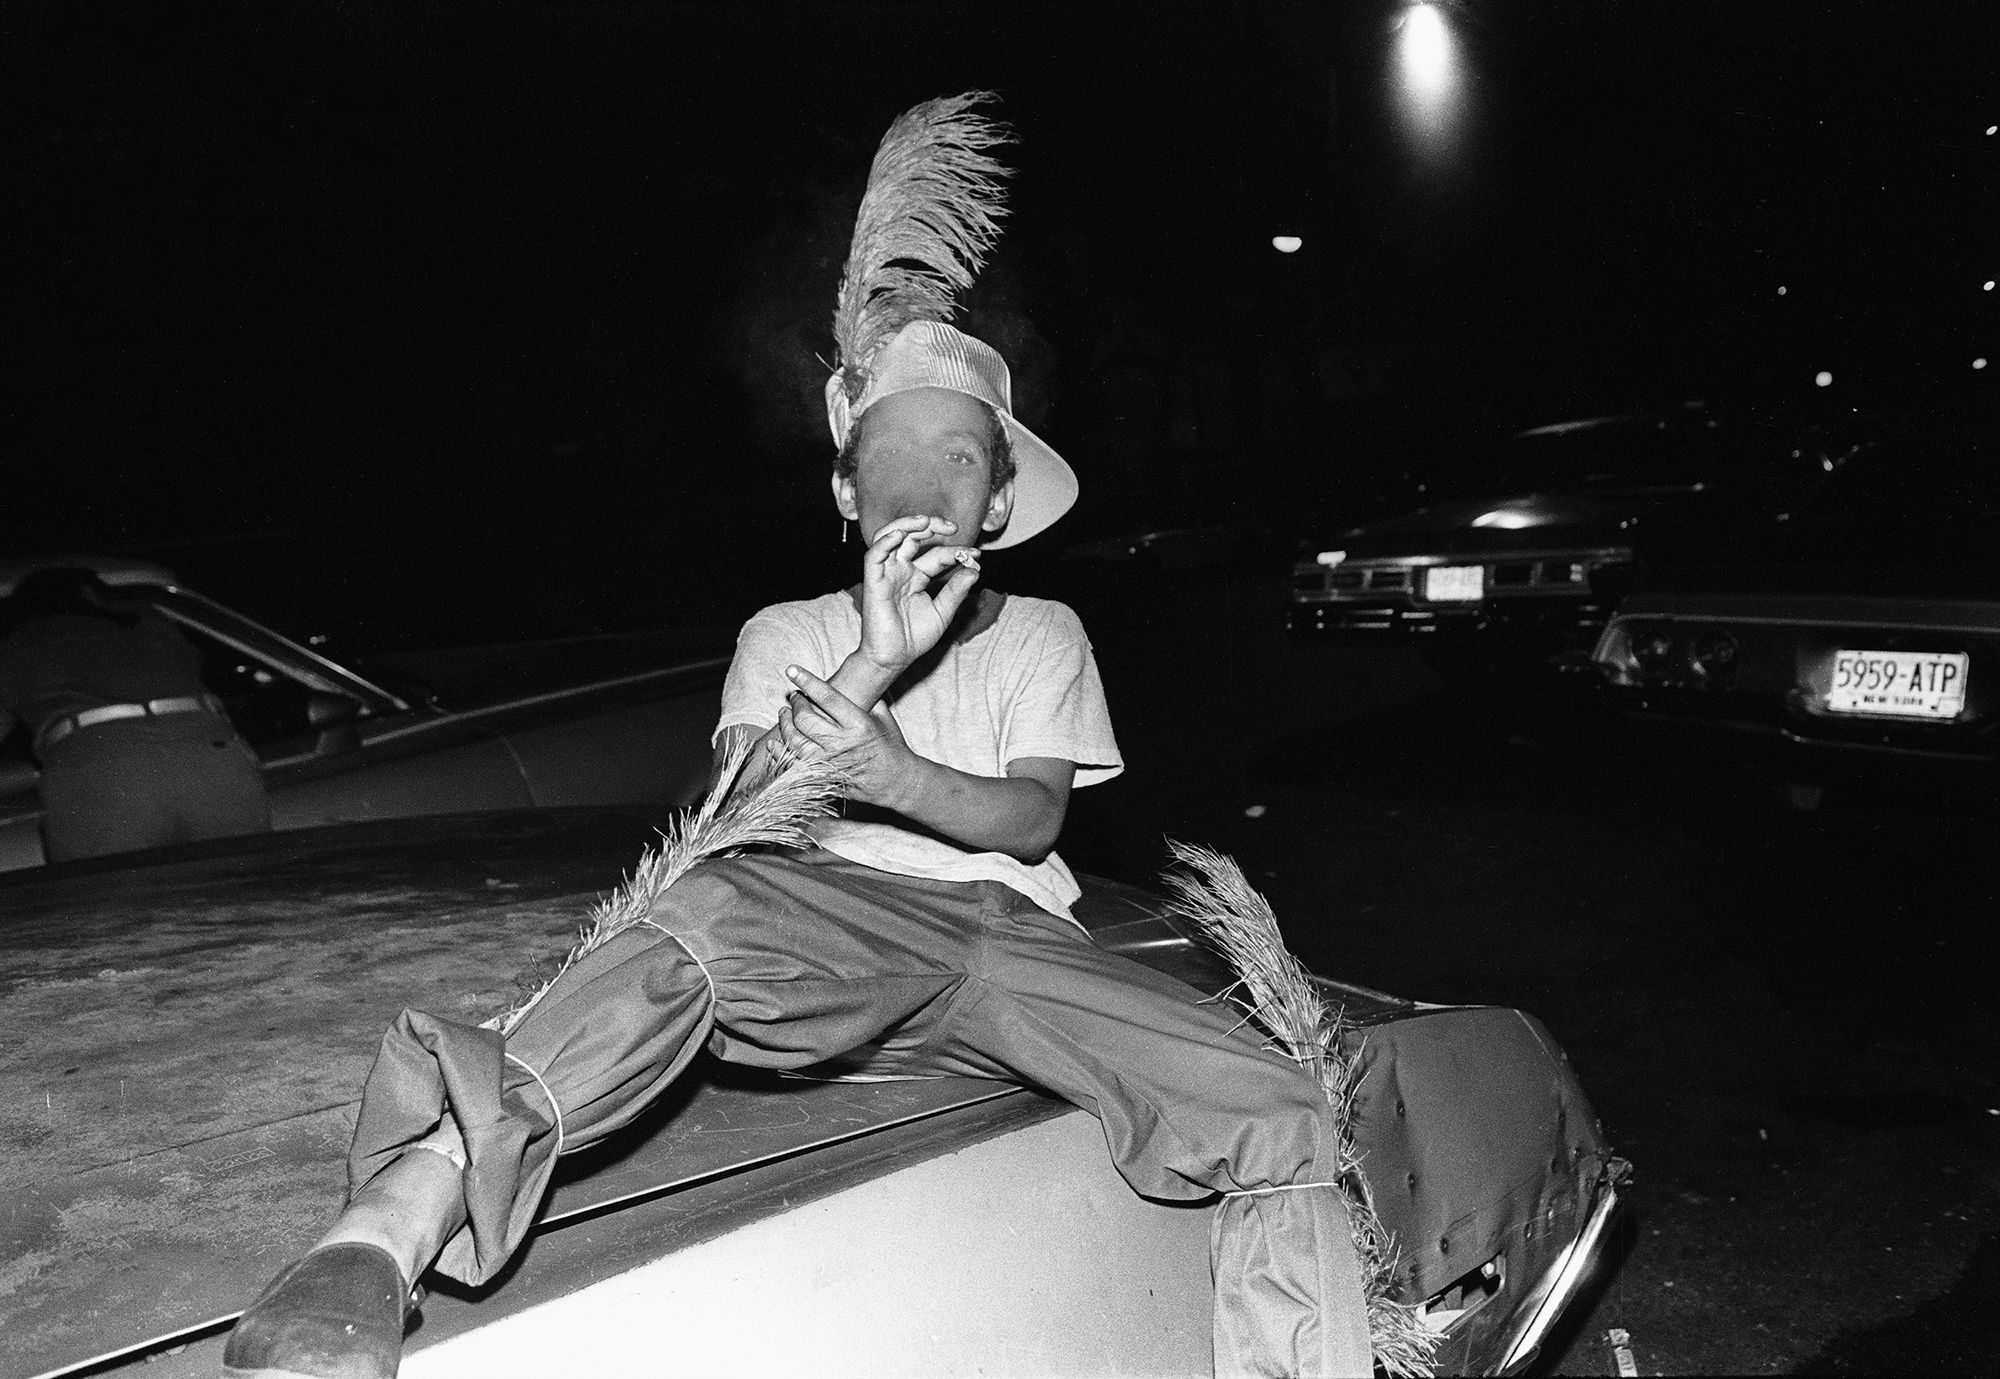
<point x="773" y="812"/>
<point x="1276" y="992"/>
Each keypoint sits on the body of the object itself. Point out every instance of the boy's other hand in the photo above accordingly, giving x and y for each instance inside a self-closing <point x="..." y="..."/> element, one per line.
<point x="901" y="618"/>
<point x="868" y="749"/>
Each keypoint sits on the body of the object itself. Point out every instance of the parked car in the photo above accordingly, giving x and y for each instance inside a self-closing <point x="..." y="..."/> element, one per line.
<point x="1528" y="566"/>
<point x="184" y="1035"/>
<point x="1854" y="636"/>
<point x="588" y="720"/>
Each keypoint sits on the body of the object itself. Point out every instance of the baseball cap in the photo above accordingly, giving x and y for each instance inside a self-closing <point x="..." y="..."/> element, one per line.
<point x="931" y="354"/>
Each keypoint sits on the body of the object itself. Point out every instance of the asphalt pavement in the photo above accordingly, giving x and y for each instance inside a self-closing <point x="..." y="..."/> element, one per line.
<point x="1781" y="1016"/>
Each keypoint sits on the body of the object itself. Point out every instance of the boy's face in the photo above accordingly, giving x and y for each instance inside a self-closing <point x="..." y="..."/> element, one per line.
<point x="925" y="452"/>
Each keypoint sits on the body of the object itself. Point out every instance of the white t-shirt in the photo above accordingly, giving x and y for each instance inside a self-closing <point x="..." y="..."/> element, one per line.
<point x="1021" y="684"/>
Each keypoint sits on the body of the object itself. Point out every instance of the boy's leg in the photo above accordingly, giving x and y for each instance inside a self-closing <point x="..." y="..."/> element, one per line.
<point x="1191" y="1103"/>
<point x="797" y="963"/>
<point x="787" y="961"/>
<point x="607" y="1036"/>
<point x="1288" y="1287"/>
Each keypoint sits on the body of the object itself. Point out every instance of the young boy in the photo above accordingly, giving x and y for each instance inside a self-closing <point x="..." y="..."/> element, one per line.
<point x="931" y="939"/>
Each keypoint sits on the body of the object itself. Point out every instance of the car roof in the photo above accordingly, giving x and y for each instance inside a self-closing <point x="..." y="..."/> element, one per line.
<point x="114" y="570"/>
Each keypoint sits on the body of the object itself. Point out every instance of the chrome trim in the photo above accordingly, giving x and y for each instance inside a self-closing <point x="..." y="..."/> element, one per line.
<point x="311" y="669"/>
<point x="1881" y="748"/>
<point x="1819" y="610"/>
<point x="1564" y="1277"/>
<point x="1479" y="558"/>
<point x="548" y="697"/>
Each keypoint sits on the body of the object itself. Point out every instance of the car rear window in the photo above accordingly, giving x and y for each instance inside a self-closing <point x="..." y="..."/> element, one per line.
<point x="1652" y="452"/>
<point x="1943" y="472"/>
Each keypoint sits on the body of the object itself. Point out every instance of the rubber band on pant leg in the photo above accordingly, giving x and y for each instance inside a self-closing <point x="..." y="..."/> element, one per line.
<point x="706" y="975"/>
<point x="554" y="1105"/>
<point x="454" y="1155"/>
<point x="1286" y="1187"/>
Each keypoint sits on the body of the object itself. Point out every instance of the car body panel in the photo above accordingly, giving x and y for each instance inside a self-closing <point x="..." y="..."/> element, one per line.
<point x="182" y="1039"/>
<point x="957" y="1255"/>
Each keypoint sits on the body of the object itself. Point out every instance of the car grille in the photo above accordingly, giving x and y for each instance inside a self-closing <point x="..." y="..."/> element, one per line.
<point x="1555" y="575"/>
<point x="1359" y="580"/>
<point x="1517" y="574"/>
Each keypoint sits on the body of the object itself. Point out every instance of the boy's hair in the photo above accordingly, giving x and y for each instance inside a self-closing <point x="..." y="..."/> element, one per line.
<point x="1000" y="449"/>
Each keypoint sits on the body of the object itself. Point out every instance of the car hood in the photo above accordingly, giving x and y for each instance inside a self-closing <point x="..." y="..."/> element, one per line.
<point x="1500" y="526"/>
<point x="183" y="1038"/>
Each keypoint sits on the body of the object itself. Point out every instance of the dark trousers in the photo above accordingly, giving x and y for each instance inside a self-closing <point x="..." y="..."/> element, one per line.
<point x="147" y="782"/>
<point x="788" y="960"/>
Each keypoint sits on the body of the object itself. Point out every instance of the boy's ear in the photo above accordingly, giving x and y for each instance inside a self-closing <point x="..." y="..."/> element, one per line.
<point x="999" y="507"/>
<point x="843" y="497"/>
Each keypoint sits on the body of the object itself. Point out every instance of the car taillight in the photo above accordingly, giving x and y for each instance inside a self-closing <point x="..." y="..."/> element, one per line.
<point x="1652" y="648"/>
<point x="1713" y="654"/>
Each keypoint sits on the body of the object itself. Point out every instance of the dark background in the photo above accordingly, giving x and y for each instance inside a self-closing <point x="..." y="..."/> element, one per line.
<point x="526" y="299"/>
<point x="399" y="323"/>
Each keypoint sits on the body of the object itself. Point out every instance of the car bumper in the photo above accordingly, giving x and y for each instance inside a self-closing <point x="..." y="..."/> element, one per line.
<point x="1561" y="1283"/>
<point x="1777" y="740"/>
<point x="1545" y="629"/>
<point x="1563" y="596"/>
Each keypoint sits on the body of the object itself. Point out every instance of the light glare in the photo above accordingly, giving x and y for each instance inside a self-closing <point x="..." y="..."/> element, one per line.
<point x="1507" y="519"/>
<point x="1823" y="378"/>
<point x="1980" y="362"/>
<point x="1286" y="244"/>
<point x="1426" y="52"/>
<point x="1427" y="78"/>
<point x="1331" y="558"/>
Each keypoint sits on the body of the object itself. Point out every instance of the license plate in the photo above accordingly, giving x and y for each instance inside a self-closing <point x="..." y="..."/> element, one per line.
<point x="1443" y="583"/>
<point x="1900" y="684"/>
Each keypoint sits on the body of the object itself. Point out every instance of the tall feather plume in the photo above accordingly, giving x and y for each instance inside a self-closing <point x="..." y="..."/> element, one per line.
<point x="1275" y="990"/>
<point x="928" y="219"/>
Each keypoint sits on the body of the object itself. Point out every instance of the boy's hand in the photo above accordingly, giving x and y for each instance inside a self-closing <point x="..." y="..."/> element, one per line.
<point x="900" y="618"/>
<point x="869" y="750"/>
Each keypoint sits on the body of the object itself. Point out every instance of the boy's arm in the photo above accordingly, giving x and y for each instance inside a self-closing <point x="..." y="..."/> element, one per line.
<point x="857" y="678"/>
<point x="1020" y="815"/>
<point x="910" y="592"/>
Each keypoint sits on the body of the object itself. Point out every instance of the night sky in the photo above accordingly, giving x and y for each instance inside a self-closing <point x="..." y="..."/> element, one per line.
<point x="545" y="283"/>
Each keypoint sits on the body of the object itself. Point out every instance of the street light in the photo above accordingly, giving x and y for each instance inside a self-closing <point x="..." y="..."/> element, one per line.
<point x="1426" y="53"/>
<point x="1427" y="72"/>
